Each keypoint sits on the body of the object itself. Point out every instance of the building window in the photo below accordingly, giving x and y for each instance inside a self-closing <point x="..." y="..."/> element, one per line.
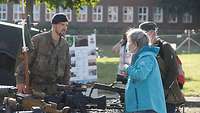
<point x="49" y="14"/>
<point x="112" y="14"/>
<point x="158" y="15"/>
<point x="128" y="14"/>
<point x="17" y="12"/>
<point x="143" y="13"/>
<point x="3" y="11"/>
<point x="82" y="14"/>
<point x="97" y="14"/>
<point x="36" y="12"/>
<point x="67" y="12"/>
<point x="173" y="19"/>
<point x="187" y="18"/>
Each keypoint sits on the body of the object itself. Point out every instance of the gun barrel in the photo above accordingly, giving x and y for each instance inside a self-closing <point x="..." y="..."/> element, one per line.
<point x="70" y="87"/>
<point x="108" y="88"/>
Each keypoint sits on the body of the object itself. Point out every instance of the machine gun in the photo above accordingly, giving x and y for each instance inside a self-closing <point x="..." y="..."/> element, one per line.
<point x="77" y="101"/>
<point x="70" y="100"/>
<point x="109" y="88"/>
<point x="73" y="101"/>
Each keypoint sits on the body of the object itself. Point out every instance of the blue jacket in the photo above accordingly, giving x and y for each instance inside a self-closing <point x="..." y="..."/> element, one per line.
<point x="144" y="89"/>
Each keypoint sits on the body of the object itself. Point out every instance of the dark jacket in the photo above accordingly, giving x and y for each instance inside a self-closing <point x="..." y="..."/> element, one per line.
<point x="49" y="64"/>
<point x="169" y="72"/>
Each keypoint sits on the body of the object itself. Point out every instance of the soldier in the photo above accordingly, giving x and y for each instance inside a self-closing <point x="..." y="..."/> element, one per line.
<point x="168" y="67"/>
<point x="49" y="61"/>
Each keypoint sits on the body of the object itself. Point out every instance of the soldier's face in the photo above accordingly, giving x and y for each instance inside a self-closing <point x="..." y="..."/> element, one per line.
<point x="61" y="28"/>
<point x="152" y="36"/>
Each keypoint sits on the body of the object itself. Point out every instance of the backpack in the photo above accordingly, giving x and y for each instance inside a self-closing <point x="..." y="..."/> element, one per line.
<point x="181" y="73"/>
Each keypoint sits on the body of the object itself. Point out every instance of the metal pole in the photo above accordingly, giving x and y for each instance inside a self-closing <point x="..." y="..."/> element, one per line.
<point x="188" y="40"/>
<point x="189" y="36"/>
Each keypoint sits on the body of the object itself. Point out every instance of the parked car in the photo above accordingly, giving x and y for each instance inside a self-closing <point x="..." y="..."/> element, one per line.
<point x="10" y="44"/>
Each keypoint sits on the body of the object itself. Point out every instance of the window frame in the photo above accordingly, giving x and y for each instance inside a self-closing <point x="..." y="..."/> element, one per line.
<point x="97" y="13"/>
<point x="143" y="14"/>
<point x="129" y="13"/>
<point x="17" y="12"/>
<point x="2" y="12"/>
<point x="158" y="15"/>
<point x="187" y="18"/>
<point x="113" y="13"/>
<point x="82" y="15"/>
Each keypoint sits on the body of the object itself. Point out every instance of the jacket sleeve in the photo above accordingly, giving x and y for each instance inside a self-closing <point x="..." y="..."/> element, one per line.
<point x="141" y="69"/>
<point x="169" y="57"/>
<point x="67" y="73"/>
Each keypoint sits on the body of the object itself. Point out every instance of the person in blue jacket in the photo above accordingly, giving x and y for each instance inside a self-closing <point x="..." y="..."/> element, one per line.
<point x="144" y="91"/>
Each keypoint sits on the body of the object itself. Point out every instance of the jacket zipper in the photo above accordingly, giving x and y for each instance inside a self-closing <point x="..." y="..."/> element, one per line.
<point x="136" y="98"/>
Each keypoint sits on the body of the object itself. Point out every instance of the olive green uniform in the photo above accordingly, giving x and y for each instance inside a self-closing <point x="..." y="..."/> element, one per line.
<point x="49" y="64"/>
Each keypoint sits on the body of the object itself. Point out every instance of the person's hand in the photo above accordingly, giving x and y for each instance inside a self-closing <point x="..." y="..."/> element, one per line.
<point x="125" y="68"/>
<point x="123" y="41"/>
<point x="21" y="88"/>
<point x="123" y="71"/>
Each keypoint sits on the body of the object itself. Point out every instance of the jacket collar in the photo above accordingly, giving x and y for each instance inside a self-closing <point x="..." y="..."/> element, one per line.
<point x="146" y="50"/>
<point x="50" y="40"/>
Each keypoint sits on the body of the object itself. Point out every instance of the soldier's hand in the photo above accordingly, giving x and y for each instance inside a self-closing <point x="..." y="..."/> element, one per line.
<point x="21" y="88"/>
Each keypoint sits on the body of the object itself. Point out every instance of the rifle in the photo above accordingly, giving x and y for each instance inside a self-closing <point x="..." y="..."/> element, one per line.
<point x="25" y="58"/>
<point x="25" y="53"/>
<point x="76" y="100"/>
<point x="109" y="88"/>
<point x="74" y="87"/>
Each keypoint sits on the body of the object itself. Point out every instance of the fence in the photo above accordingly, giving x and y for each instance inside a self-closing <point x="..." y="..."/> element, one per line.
<point x="106" y="41"/>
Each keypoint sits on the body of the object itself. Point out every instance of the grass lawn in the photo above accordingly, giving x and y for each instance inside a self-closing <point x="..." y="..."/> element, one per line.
<point x="107" y="68"/>
<point x="191" y="66"/>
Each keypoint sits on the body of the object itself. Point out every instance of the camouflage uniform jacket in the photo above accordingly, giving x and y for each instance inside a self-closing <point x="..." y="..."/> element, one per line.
<point x="169" y="73"/>
<point x="49" y="64"/>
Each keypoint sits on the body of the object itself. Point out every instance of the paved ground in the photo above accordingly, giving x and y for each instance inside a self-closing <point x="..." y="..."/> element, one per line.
<point x="192" y="105"/>
<point x="192" y="110"/>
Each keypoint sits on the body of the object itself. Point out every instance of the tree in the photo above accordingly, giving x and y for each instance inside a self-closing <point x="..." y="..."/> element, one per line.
<point x="180" y="6"/>
<point x="54" y="4"/>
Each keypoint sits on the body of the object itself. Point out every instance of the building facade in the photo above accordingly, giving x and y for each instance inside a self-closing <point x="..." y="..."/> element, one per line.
<point x="109" y="16"/>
